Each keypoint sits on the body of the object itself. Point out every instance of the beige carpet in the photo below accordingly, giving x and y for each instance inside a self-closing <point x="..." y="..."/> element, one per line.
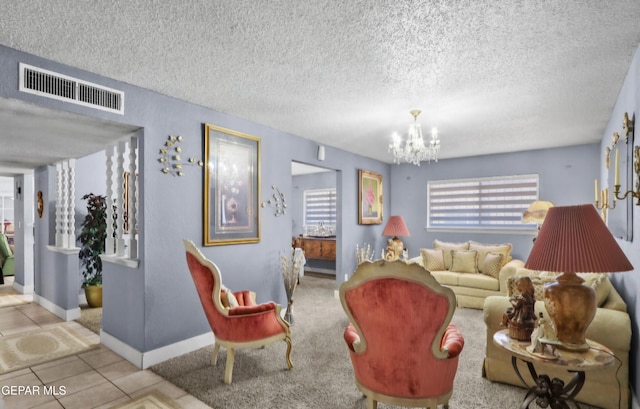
<point x="35" y="347"/>
<point x="154" y="400"/>
<point x="322" y="376"/>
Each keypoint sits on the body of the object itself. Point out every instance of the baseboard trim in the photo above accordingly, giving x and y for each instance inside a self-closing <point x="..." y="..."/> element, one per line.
<point x="144" y="360"/>
<point x="67" y="315"/>
<point x="22" y="289"/>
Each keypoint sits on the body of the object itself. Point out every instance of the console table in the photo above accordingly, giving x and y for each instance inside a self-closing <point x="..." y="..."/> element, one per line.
<point x="554" y="392"/>
<point x="318" y="248"/>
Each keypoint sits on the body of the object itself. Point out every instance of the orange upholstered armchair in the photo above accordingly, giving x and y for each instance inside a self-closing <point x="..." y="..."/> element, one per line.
<point x="246" y="325"/>
<point x="403" y="348"/>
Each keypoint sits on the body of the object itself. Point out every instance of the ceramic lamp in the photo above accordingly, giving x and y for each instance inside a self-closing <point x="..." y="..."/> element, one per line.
<point x="574" y="239"/>
<point x="395" y="227"/>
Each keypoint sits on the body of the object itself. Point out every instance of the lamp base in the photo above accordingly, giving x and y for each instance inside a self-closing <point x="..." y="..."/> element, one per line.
<point x="394" y="250"/>
<point x="571" y="306"/>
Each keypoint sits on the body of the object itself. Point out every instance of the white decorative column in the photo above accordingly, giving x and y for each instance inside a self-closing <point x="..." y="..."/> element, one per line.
<point x="58" y="204"/>
<point x="72" y="203"/>
<point x="109" y="242"/>
<point x="133" y="198"/>
<point x="65" y="205"/>
<point x="121" y="147"/>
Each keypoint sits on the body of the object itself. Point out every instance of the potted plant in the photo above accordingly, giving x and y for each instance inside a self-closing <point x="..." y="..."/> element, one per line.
<point x="92" y="238"/>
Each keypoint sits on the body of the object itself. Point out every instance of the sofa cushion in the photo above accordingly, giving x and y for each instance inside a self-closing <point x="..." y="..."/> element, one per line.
<point x="432" y="259"/>
<point x="464" y="261"/>
<point x="447" y="247"/>
<point x="484" y="249"/>
<point x="492" y="265"/>
<point x="446" y="277"/>
<point x="479" y="281"/>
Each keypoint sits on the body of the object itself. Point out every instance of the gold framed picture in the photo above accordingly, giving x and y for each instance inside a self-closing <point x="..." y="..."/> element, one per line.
<point x="369" y="197"/>
<point x="231" y="187"/>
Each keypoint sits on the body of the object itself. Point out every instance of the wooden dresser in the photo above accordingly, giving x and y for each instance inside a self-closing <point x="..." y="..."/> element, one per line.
<point x="317" y="248"/>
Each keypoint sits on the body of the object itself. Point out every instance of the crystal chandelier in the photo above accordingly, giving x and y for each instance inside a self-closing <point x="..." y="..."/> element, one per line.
<point x="415" y="150"/>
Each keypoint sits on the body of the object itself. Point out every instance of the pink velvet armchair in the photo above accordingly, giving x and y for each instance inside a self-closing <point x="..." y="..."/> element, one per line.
<point x="403" y="348"/>
<point x="244" y="326"/>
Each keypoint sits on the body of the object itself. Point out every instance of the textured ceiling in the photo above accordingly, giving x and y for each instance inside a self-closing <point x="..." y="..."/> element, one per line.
<point x="492" y="76"/>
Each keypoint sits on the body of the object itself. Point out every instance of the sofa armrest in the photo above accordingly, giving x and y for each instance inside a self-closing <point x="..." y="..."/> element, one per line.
<point x="508" y="270"/>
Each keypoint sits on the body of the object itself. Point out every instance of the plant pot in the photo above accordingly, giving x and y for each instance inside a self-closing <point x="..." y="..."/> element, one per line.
<point x="94" y="295"/>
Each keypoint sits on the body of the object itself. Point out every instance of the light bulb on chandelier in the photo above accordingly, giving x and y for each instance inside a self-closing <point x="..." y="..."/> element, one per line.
<point x="415" y="150"/>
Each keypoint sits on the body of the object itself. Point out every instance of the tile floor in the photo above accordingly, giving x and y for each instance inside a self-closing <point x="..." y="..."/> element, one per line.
<point x="94" y="379"/>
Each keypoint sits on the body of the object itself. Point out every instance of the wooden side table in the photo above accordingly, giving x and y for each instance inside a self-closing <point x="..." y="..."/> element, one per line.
<point x="553" y="392"/>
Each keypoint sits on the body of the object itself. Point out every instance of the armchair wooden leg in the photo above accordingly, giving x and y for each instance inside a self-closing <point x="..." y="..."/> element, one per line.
<point x="371" y="403"/>
<point x="228" y="372"/>
<point x="214" y="355"/>
<point x="289" y="363"/>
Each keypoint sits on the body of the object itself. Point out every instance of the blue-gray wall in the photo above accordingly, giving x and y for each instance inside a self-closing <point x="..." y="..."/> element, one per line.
<point x="628" y="283"/>
<point x="156" y="304"/>
<point x="566" y="177"/>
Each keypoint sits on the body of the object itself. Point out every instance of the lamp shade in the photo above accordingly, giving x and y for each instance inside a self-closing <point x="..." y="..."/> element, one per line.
<point x="396" y="227"/>
<point x="574" y="239"/>
<point x="536" y="212"/>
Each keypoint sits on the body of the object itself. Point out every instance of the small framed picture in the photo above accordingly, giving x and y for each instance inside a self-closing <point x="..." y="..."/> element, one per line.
<point x="369" y="197"/>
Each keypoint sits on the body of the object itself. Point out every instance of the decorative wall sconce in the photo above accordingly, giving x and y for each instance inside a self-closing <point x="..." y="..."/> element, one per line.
<point x="602" y="201"/>
<point x="636" y="171"/>
<point x="171" y="158"/>
<point x="278" y="201"/>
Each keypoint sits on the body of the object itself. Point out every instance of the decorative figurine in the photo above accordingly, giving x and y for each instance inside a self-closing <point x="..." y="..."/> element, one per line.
<point x="520" y="318"/>
<point x="543" y="336"/>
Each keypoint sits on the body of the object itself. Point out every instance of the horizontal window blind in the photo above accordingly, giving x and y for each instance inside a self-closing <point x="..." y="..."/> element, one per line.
<point x="482" y="203"/>
<point x="320" y="207"/>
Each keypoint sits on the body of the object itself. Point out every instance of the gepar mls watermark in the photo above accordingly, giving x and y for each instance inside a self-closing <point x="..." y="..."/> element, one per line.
<point x="32" y="390"/>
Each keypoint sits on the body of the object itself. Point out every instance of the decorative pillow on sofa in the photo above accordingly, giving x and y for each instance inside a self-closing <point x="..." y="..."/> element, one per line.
<point x="464" y="261"/>
<point x="600" y="283"/>
<point x="227" y="299"/>
<point x="433" y="259"/>
<point x="492" y="264"/>
<point x="447" y="247"/>
<point x="538" y="278"/>
<point x="484" y="249"/>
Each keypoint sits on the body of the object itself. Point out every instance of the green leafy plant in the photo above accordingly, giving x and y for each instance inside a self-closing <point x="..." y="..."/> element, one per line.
<point x="92" y="237"/>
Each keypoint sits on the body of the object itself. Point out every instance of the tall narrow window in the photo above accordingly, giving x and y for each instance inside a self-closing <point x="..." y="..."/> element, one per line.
<point x="320" y="207"/>
<point x="481" y="203"/>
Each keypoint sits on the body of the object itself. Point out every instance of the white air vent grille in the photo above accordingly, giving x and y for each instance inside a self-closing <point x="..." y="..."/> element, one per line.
<point x="53" y="85"/>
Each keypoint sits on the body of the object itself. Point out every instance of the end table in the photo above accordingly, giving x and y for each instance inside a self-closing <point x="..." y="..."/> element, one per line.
<point x="553" y="392"/>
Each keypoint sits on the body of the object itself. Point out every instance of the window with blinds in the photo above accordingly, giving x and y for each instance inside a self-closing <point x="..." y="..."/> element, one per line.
<point x="320" y="207"/>
<point x="481" y="203"/>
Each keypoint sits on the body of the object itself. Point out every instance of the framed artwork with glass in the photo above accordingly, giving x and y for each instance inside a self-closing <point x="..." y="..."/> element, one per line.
<point x="231" y="187"/>
<point x="369" y="197"/>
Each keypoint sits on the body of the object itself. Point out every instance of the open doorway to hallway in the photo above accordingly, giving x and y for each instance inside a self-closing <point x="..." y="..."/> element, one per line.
<point x="314" y="217"/>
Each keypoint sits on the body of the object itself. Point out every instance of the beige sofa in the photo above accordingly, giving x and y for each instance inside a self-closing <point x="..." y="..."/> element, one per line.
<point x="607" y="388"/>
<point x="467" y="274"/>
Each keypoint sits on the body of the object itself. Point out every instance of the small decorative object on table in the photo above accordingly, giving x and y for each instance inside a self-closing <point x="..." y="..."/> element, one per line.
<point x="543" y="339"/>
<point x="364" y="253"/>
<point x="290" y="273"/>
<point x="520" y="318"/>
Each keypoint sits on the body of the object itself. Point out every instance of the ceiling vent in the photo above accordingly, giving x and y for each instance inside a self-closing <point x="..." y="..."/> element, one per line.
<point x="50" y="84"/>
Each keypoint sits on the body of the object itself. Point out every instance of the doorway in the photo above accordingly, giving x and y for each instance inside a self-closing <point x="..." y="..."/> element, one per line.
<point x="314" y="216"/>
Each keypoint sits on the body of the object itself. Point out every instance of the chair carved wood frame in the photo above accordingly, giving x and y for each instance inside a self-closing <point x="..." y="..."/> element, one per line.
<point x="245" y="326"/>
<point x="403" y="346"/>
